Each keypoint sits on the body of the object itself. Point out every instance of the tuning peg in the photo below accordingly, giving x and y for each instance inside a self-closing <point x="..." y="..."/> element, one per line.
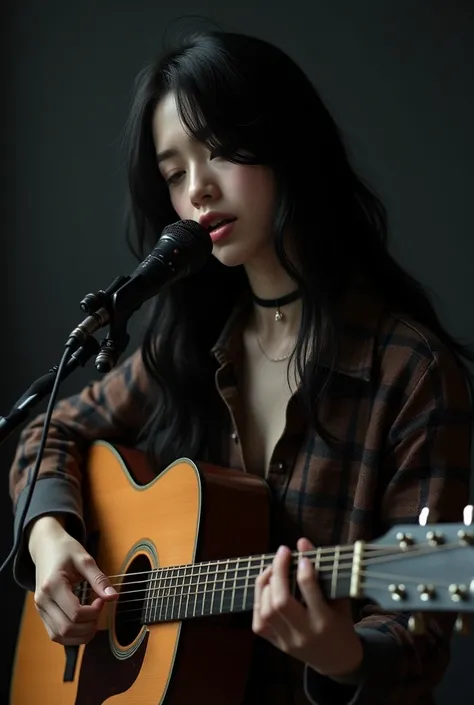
<point x="461" y="624"/>
<point x="468" y="515"/>
<point x="416" y="623"/>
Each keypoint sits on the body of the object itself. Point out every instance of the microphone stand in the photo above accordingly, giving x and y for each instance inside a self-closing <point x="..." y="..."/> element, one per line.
<point x="42" y="387"/>
<point x="107" y="354"/>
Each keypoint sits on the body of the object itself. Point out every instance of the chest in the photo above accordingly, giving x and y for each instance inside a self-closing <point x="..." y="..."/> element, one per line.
<point x="265" y="393"/>
<point x="322" y="485"/>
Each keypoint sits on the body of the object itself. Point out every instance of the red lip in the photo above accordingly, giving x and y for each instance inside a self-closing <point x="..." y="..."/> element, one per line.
<point x="222" y="232"/>
<point x="212" y="217"/>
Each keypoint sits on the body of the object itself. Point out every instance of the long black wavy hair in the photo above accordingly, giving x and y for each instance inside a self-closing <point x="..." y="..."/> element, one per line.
<point x="247" y="99"/>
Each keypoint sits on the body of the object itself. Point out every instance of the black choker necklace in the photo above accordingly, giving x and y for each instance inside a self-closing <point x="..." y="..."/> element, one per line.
<point x="277" y="303"/>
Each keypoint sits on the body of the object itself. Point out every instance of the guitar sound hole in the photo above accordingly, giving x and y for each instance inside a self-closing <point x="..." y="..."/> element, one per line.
<point x="129" y="612"/>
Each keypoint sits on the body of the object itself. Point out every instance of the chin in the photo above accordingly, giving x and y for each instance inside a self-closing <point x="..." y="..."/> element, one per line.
<point x="230" y="256"/>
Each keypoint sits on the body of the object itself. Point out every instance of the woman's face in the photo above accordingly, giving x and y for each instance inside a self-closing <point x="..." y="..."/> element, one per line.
<point x="209" y="189"/>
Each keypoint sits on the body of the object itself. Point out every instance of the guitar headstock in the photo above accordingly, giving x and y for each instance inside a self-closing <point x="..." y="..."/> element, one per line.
<point x="420" y="568"/>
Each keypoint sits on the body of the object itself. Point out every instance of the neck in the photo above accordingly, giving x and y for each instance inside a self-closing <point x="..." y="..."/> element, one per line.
<point x="269" y="281"/>
<point x="223" y="586"/>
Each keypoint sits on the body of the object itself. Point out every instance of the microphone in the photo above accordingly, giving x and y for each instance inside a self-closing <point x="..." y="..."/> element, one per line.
<point x="183" y="248"/>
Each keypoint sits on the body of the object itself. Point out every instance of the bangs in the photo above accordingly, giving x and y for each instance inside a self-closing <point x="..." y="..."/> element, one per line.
<point x="215" y="107"/>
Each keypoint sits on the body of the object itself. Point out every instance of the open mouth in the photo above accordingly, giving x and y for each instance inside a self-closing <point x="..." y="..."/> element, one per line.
<point x="221" y="223"/>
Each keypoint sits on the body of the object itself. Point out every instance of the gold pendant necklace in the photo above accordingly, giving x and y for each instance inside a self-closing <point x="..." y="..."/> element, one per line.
<point x="272" y="359"/>
<point x="277" y="303"/>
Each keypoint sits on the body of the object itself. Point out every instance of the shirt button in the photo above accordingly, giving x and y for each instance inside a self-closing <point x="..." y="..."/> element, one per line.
<point x="234" y="436"/>
<point x="277" y="468"/>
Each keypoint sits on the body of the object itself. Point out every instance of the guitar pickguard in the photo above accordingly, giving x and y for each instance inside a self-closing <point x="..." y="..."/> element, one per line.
<point x="100" y="676"/>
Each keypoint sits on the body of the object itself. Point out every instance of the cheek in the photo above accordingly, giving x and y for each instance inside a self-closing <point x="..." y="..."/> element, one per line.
<point x="257" y="187"/>
<point x="177" y="201"/>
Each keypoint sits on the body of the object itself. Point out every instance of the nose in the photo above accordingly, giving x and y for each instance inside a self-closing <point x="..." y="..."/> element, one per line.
<point x="202" y="188"/>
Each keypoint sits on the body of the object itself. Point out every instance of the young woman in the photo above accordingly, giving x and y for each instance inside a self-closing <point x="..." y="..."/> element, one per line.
<point x="301" y="352"/>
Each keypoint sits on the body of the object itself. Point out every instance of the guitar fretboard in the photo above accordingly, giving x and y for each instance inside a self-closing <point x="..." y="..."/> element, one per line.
<point x="227" y="586"/>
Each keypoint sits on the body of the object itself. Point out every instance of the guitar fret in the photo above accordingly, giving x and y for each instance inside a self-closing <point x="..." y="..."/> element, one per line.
<point x="174" y="593"/>
<point x="255" y="567"/>
<point x="205" y="608"/>
<point x="148" y="606"/>
<point x="213" y="588"/>
<point x="223" y="589"/>
<point x="165" y="597"/>
<point x="199" y="595"/>
<point x="219" y="587"/>
<point x="192" y="571"/>
<point x="162" y="590"/>
<point x="236" y="589"/>
<point x="187" y="587"/>
<point x="181" y="576"/>
<point x="335" y="569"/>
<point x="246" y="584"/>
<point x="155" y="596"/>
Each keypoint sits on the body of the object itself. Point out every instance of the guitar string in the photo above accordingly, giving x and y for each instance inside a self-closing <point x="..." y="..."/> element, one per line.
<point x="171" y="573"/>
<point x="249" y="587"/>
<point x="197" y="569"/>
<point x="323" y="552"/>
<point x="180" y="590"/>
<point x="233" y="565"/>
<point x="174" y="595"/>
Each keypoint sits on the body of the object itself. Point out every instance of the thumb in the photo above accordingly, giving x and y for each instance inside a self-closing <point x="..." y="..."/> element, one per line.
<point x="98" y="581"/>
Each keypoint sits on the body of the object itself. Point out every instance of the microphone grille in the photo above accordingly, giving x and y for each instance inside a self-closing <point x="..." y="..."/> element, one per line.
<point x="188" y="232"/>
<point x="188" y="245"/>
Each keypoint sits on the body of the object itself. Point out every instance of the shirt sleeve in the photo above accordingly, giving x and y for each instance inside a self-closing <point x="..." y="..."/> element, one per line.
<point x="114" y="408"/>
<point x="426" y="464"/>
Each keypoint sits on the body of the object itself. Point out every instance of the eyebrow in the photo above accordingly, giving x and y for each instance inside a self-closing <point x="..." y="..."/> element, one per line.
<point x="166" y="154"/>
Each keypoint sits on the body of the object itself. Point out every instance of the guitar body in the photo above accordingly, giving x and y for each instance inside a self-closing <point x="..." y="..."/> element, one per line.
<point x="139" y="523"/>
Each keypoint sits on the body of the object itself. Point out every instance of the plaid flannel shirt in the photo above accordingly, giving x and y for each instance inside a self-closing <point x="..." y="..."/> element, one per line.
<point x="399" y="404"/>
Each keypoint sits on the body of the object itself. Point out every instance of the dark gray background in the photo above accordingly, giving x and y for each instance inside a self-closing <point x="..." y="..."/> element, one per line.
<point x="396" y="74"/>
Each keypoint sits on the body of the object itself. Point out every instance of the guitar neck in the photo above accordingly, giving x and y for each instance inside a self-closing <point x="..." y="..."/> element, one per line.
<point x="227" y="586"/>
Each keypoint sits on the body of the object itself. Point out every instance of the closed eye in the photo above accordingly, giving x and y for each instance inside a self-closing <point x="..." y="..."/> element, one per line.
<point x="174" y="178"/>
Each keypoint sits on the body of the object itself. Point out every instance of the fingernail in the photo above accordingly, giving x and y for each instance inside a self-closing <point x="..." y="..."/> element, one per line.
<point x="110" y="591"/>
<point x="303" y="564"/>
<point x="281" y="550"/>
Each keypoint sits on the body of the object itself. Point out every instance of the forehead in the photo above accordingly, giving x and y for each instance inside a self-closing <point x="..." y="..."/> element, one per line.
<point x="166" y="125"/>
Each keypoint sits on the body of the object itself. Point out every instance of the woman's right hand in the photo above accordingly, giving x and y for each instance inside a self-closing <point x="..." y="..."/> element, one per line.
<point x="61" y="562"/>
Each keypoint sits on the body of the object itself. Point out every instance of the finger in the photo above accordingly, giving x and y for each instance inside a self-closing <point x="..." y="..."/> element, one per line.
<point x="61" y="628"/>
<point x="269" y="624"/>
<point x="310" y="589"/>
<point x="280" y="583"/>
<point x="50" y="629"/>
<point x="283" y="600"/>
<point x="66" y="641"/>
<point x="88" y="613"/>
<point x="99" y="582"/>
<point x="304" y="545"/>
<point x="62" y="595"/>
<point x="260" y="583"/>
<point x="279" y="613"/>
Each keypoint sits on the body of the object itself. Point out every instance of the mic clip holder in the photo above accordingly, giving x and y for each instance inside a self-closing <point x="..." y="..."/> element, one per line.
<point x="117" y="339"/>
<point x="107" y="354"/>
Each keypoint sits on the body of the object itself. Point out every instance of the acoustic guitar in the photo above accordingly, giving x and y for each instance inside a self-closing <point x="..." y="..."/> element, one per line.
<point x="183" y="550"/>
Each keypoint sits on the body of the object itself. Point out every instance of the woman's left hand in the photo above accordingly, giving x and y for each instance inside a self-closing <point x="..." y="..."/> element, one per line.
<point x="319" y="633"/>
